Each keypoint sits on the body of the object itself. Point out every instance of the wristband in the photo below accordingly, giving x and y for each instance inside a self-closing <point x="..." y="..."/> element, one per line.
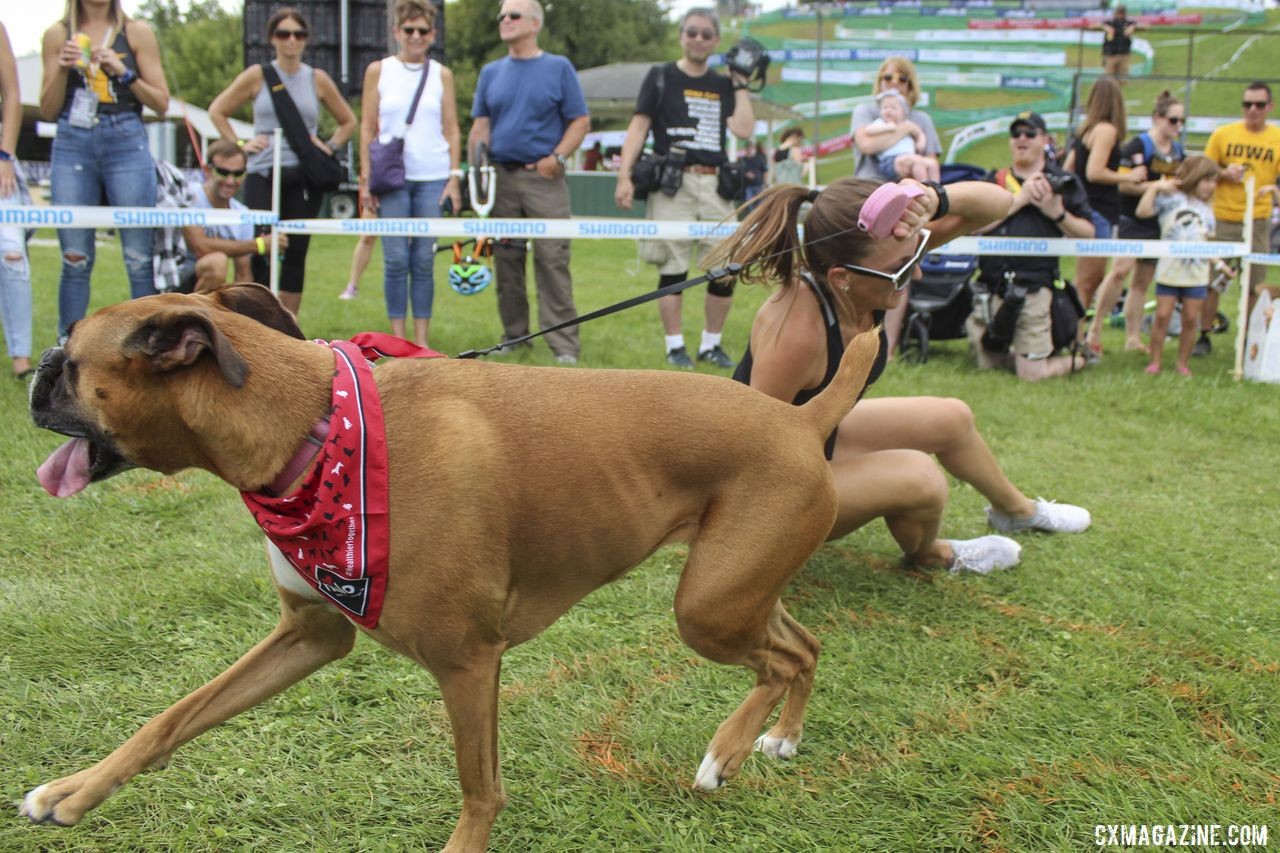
<point x="455" y="173"/>
<point x="128" y="78"/>
<point x="262" y="245"/>
<point x="5" y="156"/>
<point x="944" y="201"/>
<point x="1060" y="218"/>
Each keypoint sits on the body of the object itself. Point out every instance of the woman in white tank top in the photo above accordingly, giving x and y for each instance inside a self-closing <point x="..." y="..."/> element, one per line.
<point x="432" y="159"/>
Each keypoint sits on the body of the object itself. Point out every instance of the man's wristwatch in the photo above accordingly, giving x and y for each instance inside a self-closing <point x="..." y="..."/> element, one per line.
<point x="562" y="159"/>
<point x="1060" y="218"/>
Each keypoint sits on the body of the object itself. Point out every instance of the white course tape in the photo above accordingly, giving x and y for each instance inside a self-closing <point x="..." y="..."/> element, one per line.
<point x="581" y="229"/>
<point x="129" y="217"/>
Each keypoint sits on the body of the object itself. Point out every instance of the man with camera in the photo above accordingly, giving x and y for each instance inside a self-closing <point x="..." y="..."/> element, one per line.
<point x="1012" y="324"/>
<point x="688" y="107"/>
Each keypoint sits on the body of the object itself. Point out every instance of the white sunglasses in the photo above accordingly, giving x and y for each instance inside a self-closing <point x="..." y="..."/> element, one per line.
<point x="902" y="277"/>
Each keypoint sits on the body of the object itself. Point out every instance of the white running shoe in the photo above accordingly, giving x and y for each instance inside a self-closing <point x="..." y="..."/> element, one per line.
<point x="1049" y="517"/>
<point x="983" y="555"/>
<point x="348" y="292"/>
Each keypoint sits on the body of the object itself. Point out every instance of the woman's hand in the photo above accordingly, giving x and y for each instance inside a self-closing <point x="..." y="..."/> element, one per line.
<point x="1166" y="185"/>
<point x="317" y="142"/>
<point x="70" y="55"/>
<point x="108" y="60"/>
<point x="1136" y="175"/>
<point x="368" y="201"/>
<point x="8" y="179"/>
<point x="258" y="144"/>
<point x="919" y="211"/>
<point x="453" y="193"/>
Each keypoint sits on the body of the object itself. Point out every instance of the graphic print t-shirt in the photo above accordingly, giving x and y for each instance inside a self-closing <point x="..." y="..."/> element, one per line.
<point x="693" y="115"/>
<point x="1259" y="153"/>
<point x="1183" y="218"/>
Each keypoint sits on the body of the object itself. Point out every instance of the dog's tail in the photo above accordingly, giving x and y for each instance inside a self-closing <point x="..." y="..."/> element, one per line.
<point x="826" y="410"/>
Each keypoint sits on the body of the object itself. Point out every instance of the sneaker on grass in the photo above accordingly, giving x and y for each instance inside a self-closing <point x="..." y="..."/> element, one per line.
<point x="983" y="555"/>
<point x="1049" y="517"/>
<point x="679" y="357"/>
<point x="717" y="356"/>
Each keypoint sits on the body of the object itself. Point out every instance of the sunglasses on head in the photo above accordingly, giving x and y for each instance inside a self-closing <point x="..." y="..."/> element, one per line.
<point x="515" y="16"/>
<point x="1023" y="133"/>
<point x="1255" y="105"/>
<point x="226" y="173"/>
<point x="902" y="277"/>
<point x="705" y="35"/>
<point x="416" y="31"/>
<point x="285" y="35"/>
<point x="901" y="78"/>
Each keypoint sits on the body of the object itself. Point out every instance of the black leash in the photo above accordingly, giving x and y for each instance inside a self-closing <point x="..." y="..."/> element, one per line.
<point x="730" y="270"/>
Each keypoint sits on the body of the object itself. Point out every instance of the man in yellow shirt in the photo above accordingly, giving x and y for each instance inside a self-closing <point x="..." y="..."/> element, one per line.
<point x="1244" y="149"/>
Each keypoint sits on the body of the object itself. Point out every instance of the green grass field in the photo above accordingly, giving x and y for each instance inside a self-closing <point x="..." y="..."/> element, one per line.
<point x="1125" y="675"/>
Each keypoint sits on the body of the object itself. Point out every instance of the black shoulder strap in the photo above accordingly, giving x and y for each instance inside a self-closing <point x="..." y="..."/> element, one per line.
<point x="426" y="66"/>
<point x="286" y="111"/>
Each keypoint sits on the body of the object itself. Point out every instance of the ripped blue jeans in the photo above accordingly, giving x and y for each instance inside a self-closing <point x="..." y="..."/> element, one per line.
<point x="108" y="163"/>
<point x="15" y="285"/>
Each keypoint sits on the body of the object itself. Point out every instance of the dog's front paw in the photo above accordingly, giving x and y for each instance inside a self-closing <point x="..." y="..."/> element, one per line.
<point x="60" y="803"/>
<point x="709" y="775"/>
<point x="777" y="747"/>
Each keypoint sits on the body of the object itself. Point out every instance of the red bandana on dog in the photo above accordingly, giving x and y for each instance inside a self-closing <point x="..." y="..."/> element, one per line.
<point x="334" y="528"/>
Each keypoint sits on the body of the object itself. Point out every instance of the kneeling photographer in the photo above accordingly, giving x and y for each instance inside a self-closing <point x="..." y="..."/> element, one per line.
<point x="1028" y="313"/>
<point x="688" y="106"/>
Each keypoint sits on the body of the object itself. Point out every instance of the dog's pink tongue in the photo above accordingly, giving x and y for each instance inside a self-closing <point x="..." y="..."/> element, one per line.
<point x="66" y="471"/>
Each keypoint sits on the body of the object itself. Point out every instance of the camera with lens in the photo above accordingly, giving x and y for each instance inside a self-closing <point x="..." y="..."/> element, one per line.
<point x="1058" y="182"/>
<point x="749" y="59"/>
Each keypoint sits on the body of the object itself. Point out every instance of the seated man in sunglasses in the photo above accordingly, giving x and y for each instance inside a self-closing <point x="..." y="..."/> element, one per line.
<point x="1048" y="203"/>
<point x="209" y="249"/>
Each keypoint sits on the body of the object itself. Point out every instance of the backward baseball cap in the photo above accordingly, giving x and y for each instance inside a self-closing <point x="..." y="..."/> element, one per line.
<point x="1031" y="119"/>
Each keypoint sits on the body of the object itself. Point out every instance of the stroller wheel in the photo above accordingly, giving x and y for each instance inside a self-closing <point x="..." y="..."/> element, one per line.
<point x="1220" y="323"/>
<point x="914" y="346"/>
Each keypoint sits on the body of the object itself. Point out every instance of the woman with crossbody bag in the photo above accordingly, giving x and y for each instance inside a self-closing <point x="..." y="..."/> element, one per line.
<point x="308" y="88"/>
<point x="410" y="153"/>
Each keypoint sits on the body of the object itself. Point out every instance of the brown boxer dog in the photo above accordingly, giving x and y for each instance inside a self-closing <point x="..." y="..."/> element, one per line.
<point x="556" y="482"/>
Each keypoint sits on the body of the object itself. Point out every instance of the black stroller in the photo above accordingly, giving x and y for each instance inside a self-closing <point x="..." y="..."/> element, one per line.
<point x="941" y="299"/>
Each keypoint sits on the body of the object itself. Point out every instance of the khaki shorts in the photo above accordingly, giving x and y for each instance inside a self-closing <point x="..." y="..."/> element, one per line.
<point x="1233" y="232"/>
<point x="1032" y="337"/>
<point x="696" y="200"/>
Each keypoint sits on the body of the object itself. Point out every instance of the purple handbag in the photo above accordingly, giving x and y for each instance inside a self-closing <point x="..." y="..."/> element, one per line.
<point x="386" y="160"/>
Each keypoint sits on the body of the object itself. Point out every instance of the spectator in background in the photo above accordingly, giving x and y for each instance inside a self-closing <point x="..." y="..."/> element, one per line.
<point x="1182" y="205"/>
<point x="689" y="107"/>
<point x="593" y="159"/>
<point x="96" y="95"/>
<point x="898" y="74"/>
<point x="1244" y="149"/>
<point x="1160" y="150"/>
<point x="1117" y="42"/>
<point x="789" y="159"/>
<point x="310" y="88"/>
<point x="432" y="159"/>
<point x="530" y="111"/>
<point x="15" y="268"/>
<point x="905" y="158"/>
<point x="211" y="248"/>
<point x="754" y="169"/>
<point x="1095" y="159"/>
<point x="1047" y="203"/>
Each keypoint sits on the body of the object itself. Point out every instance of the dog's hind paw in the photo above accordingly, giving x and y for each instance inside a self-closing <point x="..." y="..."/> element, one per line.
<point x="709" y="778"/>
<point x="777" y="747"/>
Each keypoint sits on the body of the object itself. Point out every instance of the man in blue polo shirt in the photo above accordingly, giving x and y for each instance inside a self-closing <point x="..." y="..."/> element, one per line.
<point x="530" y="111"/>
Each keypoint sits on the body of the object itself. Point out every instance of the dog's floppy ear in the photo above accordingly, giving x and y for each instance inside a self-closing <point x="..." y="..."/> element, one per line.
<point x="256" y="301"/>
<point x="178" y="338"/>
